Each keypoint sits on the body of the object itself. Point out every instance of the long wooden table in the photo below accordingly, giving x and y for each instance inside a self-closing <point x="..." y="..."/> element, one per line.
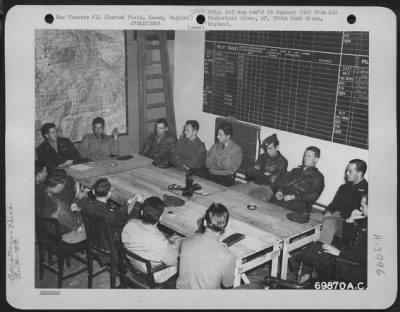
<point x="107" y="166"/>
<point x="267" y="229"/>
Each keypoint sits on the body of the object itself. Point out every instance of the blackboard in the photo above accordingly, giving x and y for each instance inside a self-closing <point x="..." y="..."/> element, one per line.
<point x="313" y="83"/>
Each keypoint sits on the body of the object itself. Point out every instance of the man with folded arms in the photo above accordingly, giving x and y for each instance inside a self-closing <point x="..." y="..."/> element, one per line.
<point x="301" y="187"/>
<point x="159" y="145"/>
<point x="346" y="200"/>
<point x="204" y="262"/>
<point x="270" y="167"/>
<point x="97" y="145"/>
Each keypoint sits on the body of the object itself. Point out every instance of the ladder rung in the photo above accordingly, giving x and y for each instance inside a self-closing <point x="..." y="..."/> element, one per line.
<point x="152" y="120"/>
<point x="154" y="76"/>
<point x="155" y="105"/>
<point x="153" y="63"/>
<point x="151" y="35"/>
<point x="153" y="47"/>
<point x="155" y="90"/>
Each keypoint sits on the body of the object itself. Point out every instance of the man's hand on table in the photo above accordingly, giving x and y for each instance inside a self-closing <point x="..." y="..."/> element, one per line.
<point x="66" y="163"/>
<point x="289" y="197"/>
<point x="83" y="194"/>
<point x="279" y="195"/>
<point x="138" y="197"/>
<point x="115" y="133"/>
<point x="75" y="207"/>
<point x="355" y="215"/>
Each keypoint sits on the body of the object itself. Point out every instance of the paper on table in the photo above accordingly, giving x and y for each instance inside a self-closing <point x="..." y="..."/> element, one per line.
<point x="80" y="167"/>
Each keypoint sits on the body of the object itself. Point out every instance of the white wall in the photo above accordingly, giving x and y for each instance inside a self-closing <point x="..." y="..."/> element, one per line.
<point x="188" y="101"/>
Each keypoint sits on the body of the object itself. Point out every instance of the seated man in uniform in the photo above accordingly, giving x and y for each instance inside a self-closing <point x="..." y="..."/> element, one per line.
<point x="97" y="145"/>
<point x="204" y="262"/>
<point x="159" y="145"/>
<point x="224" y="158"/>
<point x="270" y="167"/>
<point x="190" y="151"/>
<point x="347" y="199"/>
<point x="56" y="151"/>
<point x="98" y="203"/>
<point x="142" y="237"/>
<point x="301" y="187"/>
<point x="59" y="202"/>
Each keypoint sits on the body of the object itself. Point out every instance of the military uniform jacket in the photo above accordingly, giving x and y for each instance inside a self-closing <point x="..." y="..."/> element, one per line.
<point x="276" y="166"/>
<point x="348" y="198"/>
<point x="306" y="183"/>
<point x="52" y="158"/>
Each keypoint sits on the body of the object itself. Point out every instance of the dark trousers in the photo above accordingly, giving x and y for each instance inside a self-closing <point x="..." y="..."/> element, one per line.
<point x="226" y="180"/>
<point x="293" y="205"/>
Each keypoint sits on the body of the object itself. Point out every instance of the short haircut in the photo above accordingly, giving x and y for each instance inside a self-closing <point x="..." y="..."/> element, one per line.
<point x="101" y="187"/>
<point x="361" y="165"/>
<point x="163" y="121"/>
<point x="217" y="217"/>
<point x="55" y="177"/>
<point x="98" y="120"/>
<point x="314" y="149"/>
<point x="194" y="124"/>
<point x="153" y="208"/>
<point x="46" y="128"/>
<point x="226" y="128"/>
<point x="39" y="166"/>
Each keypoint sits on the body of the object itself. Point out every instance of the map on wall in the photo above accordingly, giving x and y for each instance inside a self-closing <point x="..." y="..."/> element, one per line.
<point x="80" y="75"/>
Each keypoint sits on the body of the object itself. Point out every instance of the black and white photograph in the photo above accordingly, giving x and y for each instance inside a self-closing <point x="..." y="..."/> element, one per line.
<point x="170" y="159"/>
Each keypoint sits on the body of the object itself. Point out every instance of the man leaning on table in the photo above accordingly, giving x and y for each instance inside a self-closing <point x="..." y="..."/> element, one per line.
<point x="204" y="262"/>
<point x="98" y="203"/>
<point x="97" y="145"/>
<point x="56" y="151"/>
<point x="142" y="237"/>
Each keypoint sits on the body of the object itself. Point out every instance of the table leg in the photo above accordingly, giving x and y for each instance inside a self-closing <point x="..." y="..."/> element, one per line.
<point x="285" y="259"/>
<point x="236" y="281"/>
<point x="244" y="278"/>
<point x="275" y="261"/>
<point x="317" y="232"/>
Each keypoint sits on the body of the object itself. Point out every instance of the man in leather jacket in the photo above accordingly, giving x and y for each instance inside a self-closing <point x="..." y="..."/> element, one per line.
<point x="269" y="168"/>
<point x="159" y="144"/>
<point x="301" y="187"/>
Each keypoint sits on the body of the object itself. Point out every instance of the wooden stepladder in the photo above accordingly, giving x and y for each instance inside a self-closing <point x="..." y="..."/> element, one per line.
<point x="155" y="88"/>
